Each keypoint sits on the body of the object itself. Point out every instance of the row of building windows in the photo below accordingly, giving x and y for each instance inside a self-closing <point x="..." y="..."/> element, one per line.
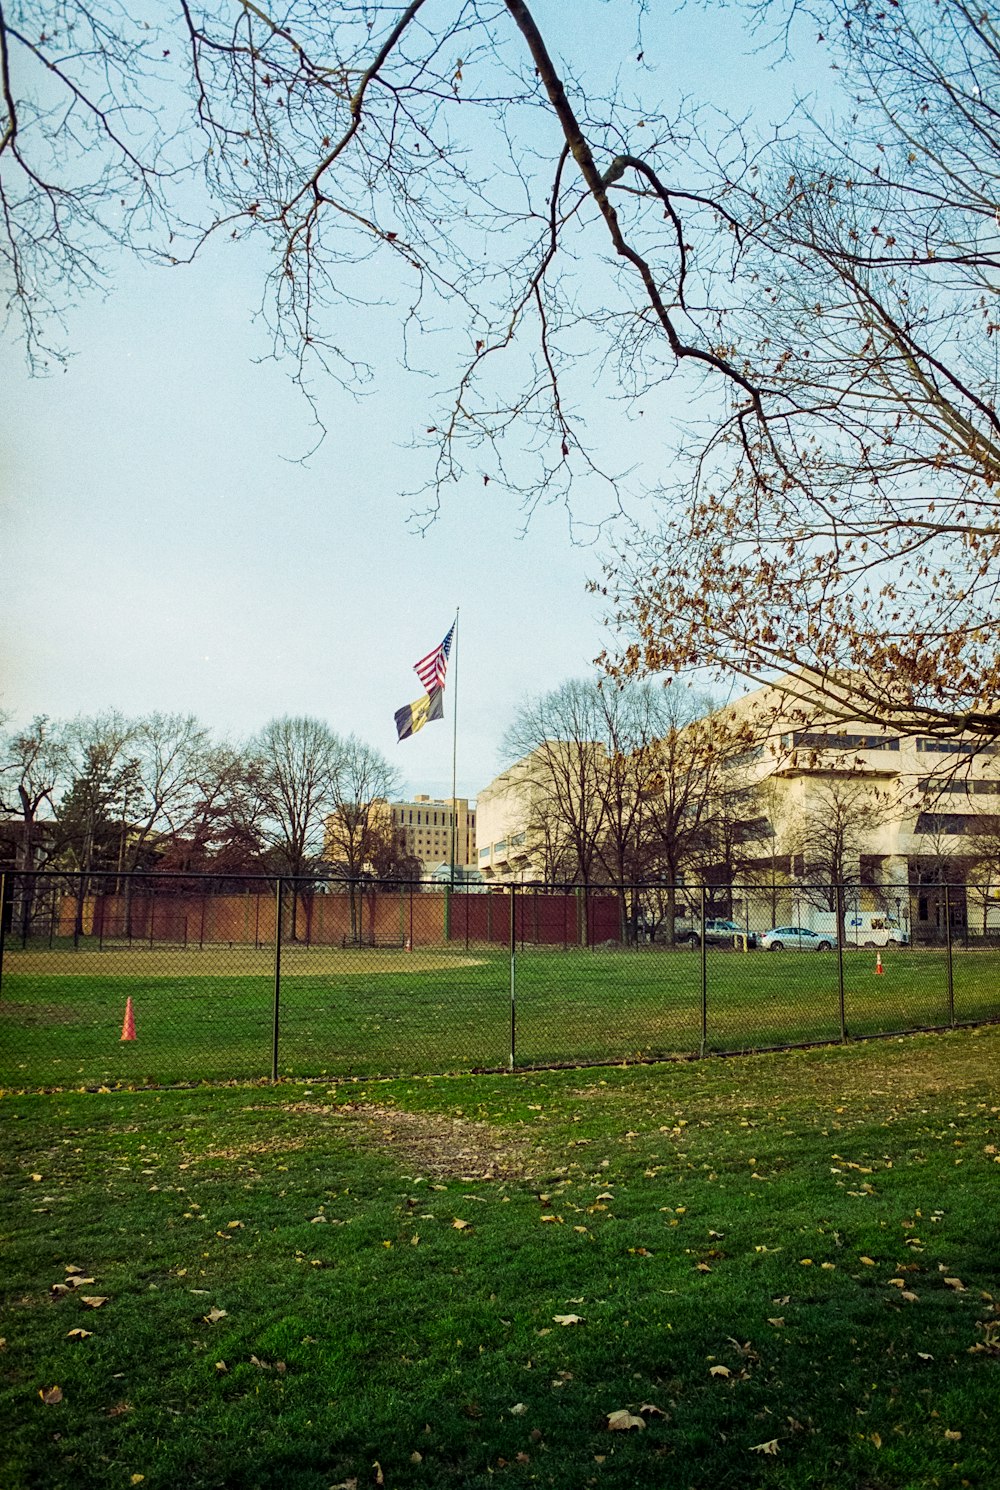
<point x="821" y="740"/>
<point x="986" y="787"/>
<point x="430" y="818"/>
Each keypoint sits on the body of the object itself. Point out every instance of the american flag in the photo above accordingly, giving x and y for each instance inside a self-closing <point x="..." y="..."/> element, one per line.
<point x="432" y="668"/>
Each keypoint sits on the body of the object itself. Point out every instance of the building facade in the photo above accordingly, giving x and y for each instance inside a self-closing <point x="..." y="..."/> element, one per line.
<point x="423" y="829"/>
<point x="897" y="818"/>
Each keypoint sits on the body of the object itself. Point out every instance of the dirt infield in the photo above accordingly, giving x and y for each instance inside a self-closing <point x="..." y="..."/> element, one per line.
<point x="235" y="962"/>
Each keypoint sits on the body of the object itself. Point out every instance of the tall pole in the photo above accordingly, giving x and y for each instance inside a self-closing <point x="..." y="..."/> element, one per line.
<point x="454" y="751"/>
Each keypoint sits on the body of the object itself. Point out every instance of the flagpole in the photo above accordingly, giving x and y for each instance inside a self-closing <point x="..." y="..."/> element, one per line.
<point x="454" y="751"/>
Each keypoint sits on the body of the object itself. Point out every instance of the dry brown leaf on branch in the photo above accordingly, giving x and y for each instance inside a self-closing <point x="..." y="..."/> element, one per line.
<point x="623" y="1421"/>
<point x="51" y="1396"/>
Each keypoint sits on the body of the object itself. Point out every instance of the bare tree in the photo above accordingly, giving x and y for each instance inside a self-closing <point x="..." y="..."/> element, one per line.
<point x="31" y="771"/>
<point x="102" y="775"/>
<point x="824" y="302"/>
<point x="295" y="766"/>
<point x="828" y="835"/>
<point x="558" y="744"/>
<point x="360" y="816"/>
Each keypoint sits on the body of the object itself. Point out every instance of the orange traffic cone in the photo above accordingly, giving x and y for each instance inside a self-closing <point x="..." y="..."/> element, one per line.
<point x="128" y="1023"/>
<point x="878" y="966"/>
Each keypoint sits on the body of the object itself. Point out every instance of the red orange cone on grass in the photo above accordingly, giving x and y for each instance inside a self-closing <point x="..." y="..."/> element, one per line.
<point x="878" y="965"/>
<point x="128" y="1023"/>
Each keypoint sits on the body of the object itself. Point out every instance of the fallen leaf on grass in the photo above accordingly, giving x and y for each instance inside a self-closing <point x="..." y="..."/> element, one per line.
<point x="568" y="1319"/>
<point x="50" y="1395"/>
<point x="214" y="1315"/>
<point x="553" y="1220"/>
<point x="416" y="1457"/>
<point x="719" y="1371"/>
<point x="769" y="1447"/>
<point x="221" y="1367"/>
<point x="895" y="1283"/>
<point x="869" y="1262"/>
<point x="93" y="1300"/>
<point x="650" y="1410"/>
<point x="955" y="1283"/>
<point x="59" y="1289"/>
<point x="952" y="1434"/>
<point x="378" y="1478"/>
<point x="622" y="1421"/>
<point x="519" y="1409"/>
<point x="78" y="1334"/>
<point x="458" y="1225"/>
<point x="71" y="1267"/>
<point x="923" y="1355"/>
<point x="876" y="1439"/>
<point x="76" y="1281"/>
<point x="137" y="1479"/>
<point x="36" y="1178"/>
<point x="909" y="1296"/>
<point x="346" y="1485"/>
<point x="828" y="1267"/>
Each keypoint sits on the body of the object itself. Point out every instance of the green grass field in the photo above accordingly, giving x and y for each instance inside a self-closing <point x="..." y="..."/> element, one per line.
<point x="209" y="1015"/>
<point x="782" y="1270"/>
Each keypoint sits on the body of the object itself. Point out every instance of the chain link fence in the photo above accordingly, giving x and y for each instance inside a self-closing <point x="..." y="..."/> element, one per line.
<point x="108" y="979"/>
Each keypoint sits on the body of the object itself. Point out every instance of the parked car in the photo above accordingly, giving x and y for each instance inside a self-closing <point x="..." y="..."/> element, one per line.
<point x="720" y="933"/>
<point x="796" y="939"/>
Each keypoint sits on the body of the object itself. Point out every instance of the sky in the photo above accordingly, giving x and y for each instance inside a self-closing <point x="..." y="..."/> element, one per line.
<point x="165" y="548"/>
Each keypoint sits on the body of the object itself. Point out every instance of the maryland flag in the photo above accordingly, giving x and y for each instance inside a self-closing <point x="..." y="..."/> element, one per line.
<point x="413" y="717"/>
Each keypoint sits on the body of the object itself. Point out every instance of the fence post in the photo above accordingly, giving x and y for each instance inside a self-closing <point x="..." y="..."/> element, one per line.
<point x="513" y="978"/>
<point x="3" y="922"/>
<point x="704" y="978"/>
<point x="951" y="972"/>
<point x="841" y="923"/>
<point x="277" y="976"/>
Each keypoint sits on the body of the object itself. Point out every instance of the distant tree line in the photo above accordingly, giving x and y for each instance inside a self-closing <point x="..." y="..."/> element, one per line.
<point x="111" y="794"/>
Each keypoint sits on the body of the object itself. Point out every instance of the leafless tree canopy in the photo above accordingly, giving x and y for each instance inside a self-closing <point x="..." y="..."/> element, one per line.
<point x="823" y="302"/>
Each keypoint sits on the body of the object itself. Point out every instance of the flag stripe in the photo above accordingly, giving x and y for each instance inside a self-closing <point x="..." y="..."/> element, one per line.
<point x="432" y="668"/>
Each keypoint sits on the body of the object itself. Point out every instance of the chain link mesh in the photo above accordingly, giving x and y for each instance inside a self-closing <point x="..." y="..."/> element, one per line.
<point x="108" y="979"/>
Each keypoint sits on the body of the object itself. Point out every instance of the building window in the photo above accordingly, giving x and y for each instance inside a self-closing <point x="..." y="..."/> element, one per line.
<point x="951" y="747"/>
<point x="821" y="740"/>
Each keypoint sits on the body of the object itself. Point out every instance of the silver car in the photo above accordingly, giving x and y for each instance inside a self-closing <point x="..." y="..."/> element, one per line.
<point x="796" y="939"/>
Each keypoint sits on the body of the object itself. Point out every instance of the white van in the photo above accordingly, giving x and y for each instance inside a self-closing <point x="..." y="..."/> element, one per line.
<point x="864" y="928"/>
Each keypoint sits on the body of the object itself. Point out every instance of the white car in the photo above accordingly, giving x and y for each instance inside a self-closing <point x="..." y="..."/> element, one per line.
<point x="796" y="939"/>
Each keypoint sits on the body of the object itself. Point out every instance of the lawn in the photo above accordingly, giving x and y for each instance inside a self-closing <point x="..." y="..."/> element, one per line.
<point x="210" y="1014"/>
<point x="782" y="1269"/>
